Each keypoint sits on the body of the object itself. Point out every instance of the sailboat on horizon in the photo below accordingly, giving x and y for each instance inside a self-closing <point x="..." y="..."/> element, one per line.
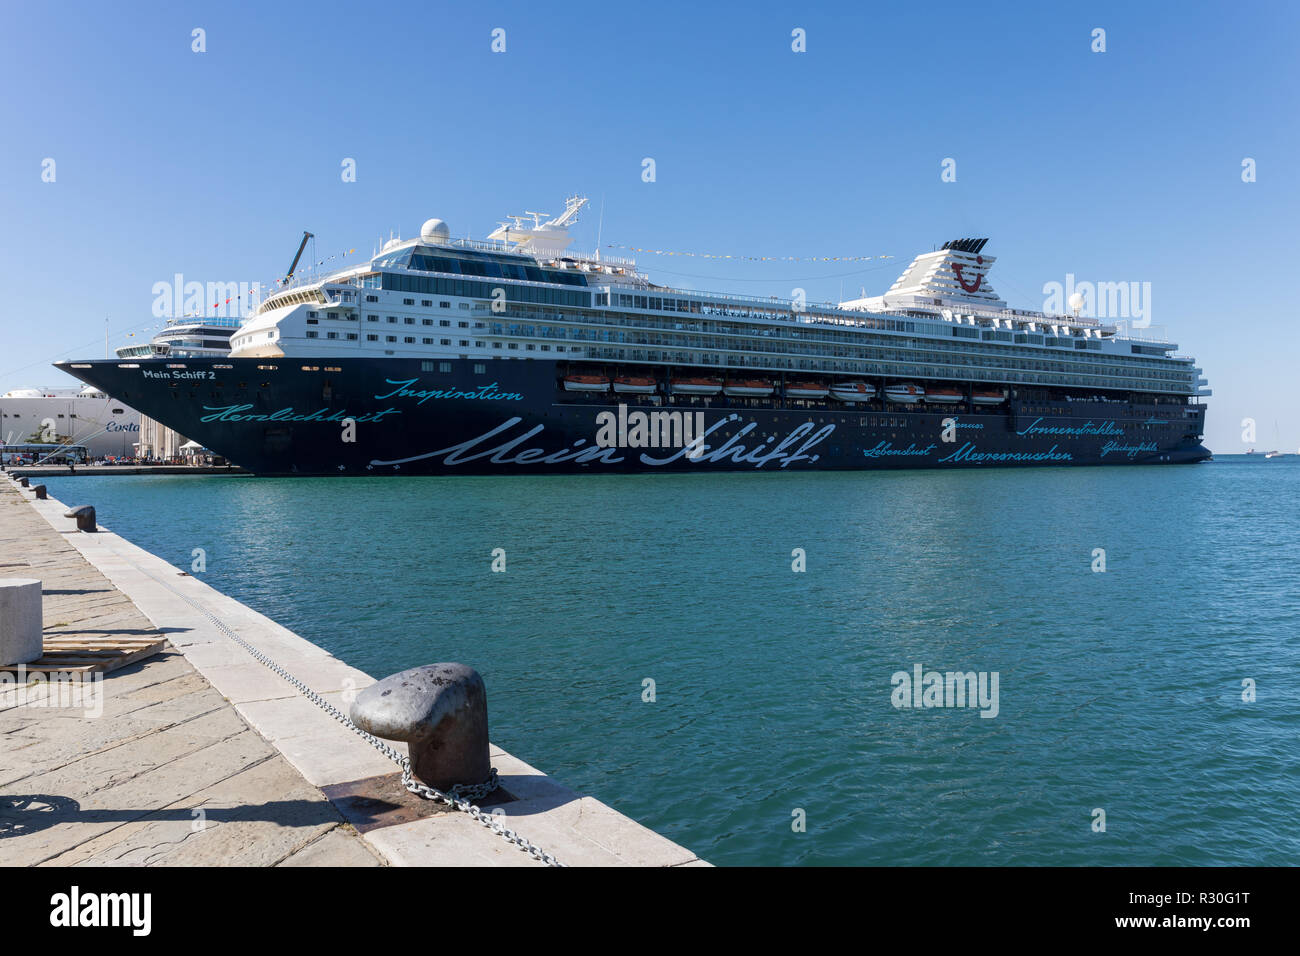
<point x="1276" y="435"/>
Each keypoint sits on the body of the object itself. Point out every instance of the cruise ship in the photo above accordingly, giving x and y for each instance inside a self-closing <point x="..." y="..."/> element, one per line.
<point x="514" y="354"/>
<point x="189" y="336"/>
<point x="82" y="416"/>
<point x="181" y="338"/>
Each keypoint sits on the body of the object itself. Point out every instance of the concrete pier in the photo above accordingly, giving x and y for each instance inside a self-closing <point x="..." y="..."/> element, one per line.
<point x="54" y="471"/>
<point x="203" y="755"/>
<point x="169" y="773"/>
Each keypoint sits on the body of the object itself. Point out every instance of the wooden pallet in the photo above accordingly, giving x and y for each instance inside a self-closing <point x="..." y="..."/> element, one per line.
<point x="82" y="656"/>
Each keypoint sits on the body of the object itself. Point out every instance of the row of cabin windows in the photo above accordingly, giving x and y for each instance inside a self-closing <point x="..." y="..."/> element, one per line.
<point x="698" y="307"/>
<point x="410" y="340"/>
<point x="409" y="320"/>
<point x="813" y="364"/>
<point x="444" y="367"/>
<point x="313" y="334"/>
<point x="1083" y="348"/>
<point x="812" y="346"/>
<point x="480" y="290"/>
<point x="493" y="269"/>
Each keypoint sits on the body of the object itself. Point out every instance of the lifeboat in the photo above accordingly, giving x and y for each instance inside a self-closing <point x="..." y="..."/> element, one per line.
<point x="748" y="388"/>
<point x="634" y="385"/>
<point x="853" y="391"/>
<point x="944" y="396"/>
<point x="586" y="383"/>
<point x="806" y="390"/>
<point x="988" y="397"/>
<point x="696" y="386"/>
<point x="905" y="394"/>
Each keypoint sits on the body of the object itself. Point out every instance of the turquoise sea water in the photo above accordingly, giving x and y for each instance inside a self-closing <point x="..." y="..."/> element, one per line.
<point x="1119" y="690"/>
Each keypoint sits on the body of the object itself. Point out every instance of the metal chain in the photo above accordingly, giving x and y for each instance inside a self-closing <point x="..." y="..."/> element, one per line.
<point x="458" y="797"/>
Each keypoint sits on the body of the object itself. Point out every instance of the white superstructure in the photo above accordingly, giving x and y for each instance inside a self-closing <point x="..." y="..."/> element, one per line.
<point x="191" y="335"/>
<point x="523" y="295"/>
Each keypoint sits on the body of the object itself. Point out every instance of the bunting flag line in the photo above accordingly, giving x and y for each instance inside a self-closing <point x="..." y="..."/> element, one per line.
<point x="319" y="262"/>
<point x="710" y="255"/>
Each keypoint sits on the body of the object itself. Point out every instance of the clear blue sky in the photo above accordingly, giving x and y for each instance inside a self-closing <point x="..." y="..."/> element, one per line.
<point x="1115" y="166"/>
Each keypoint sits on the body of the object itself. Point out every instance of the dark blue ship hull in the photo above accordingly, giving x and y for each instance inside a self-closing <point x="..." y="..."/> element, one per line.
<point x="458" y="417"/>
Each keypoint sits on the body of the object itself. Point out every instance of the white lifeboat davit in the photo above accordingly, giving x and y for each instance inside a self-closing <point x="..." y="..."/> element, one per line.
<point x="634" y="385"/>
<point x="748" y="388"/>
<point x="806" y="390"/>
<point x="905" y="394"/>
<point x="696" y="386"/>
<point x="853" y="392"/>
<point x="586" y="383"/>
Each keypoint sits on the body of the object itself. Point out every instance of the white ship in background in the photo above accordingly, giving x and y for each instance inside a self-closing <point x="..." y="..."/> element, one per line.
<point x="69" y="416"/>
<point x="105" y="427"/>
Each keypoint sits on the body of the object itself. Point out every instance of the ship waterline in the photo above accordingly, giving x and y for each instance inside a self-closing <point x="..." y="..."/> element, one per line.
<point x="413" y="417"/>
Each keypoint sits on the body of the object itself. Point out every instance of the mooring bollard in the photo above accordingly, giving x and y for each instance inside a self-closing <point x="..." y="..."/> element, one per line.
<point x="21" y="621"/>
<point x="85" y="515"/>
<point x="23" y="481"/>
<point x="41" y="493"/>
<point x="440" y="710"/>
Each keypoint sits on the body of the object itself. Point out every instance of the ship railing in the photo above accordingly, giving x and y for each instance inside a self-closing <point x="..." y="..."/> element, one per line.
<point x="220" y="321"/>
<point x="357" y="281"/>
<point x="786" y="307"/>
<point x="346" y="275"/>
<point x="502" y="246"/>
<point x="1135" y="337"/>
<point x="601" y="258"/>
<point x="486" y="245"/>
<point x="1006" y="315"/>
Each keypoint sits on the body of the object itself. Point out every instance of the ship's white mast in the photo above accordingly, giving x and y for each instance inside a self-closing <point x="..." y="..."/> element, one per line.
<point x="541" y="238"/>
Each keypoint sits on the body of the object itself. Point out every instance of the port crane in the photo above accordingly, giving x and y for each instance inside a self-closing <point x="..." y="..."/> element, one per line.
<point x="293" y="267"/>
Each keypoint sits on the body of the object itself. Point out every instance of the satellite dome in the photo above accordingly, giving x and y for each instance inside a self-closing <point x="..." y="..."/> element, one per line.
<point x="1077" y="302"/>
<point x="435" y="230"/>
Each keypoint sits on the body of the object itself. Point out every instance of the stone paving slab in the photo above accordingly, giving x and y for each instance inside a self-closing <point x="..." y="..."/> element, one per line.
<point x="121" y="788"/>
